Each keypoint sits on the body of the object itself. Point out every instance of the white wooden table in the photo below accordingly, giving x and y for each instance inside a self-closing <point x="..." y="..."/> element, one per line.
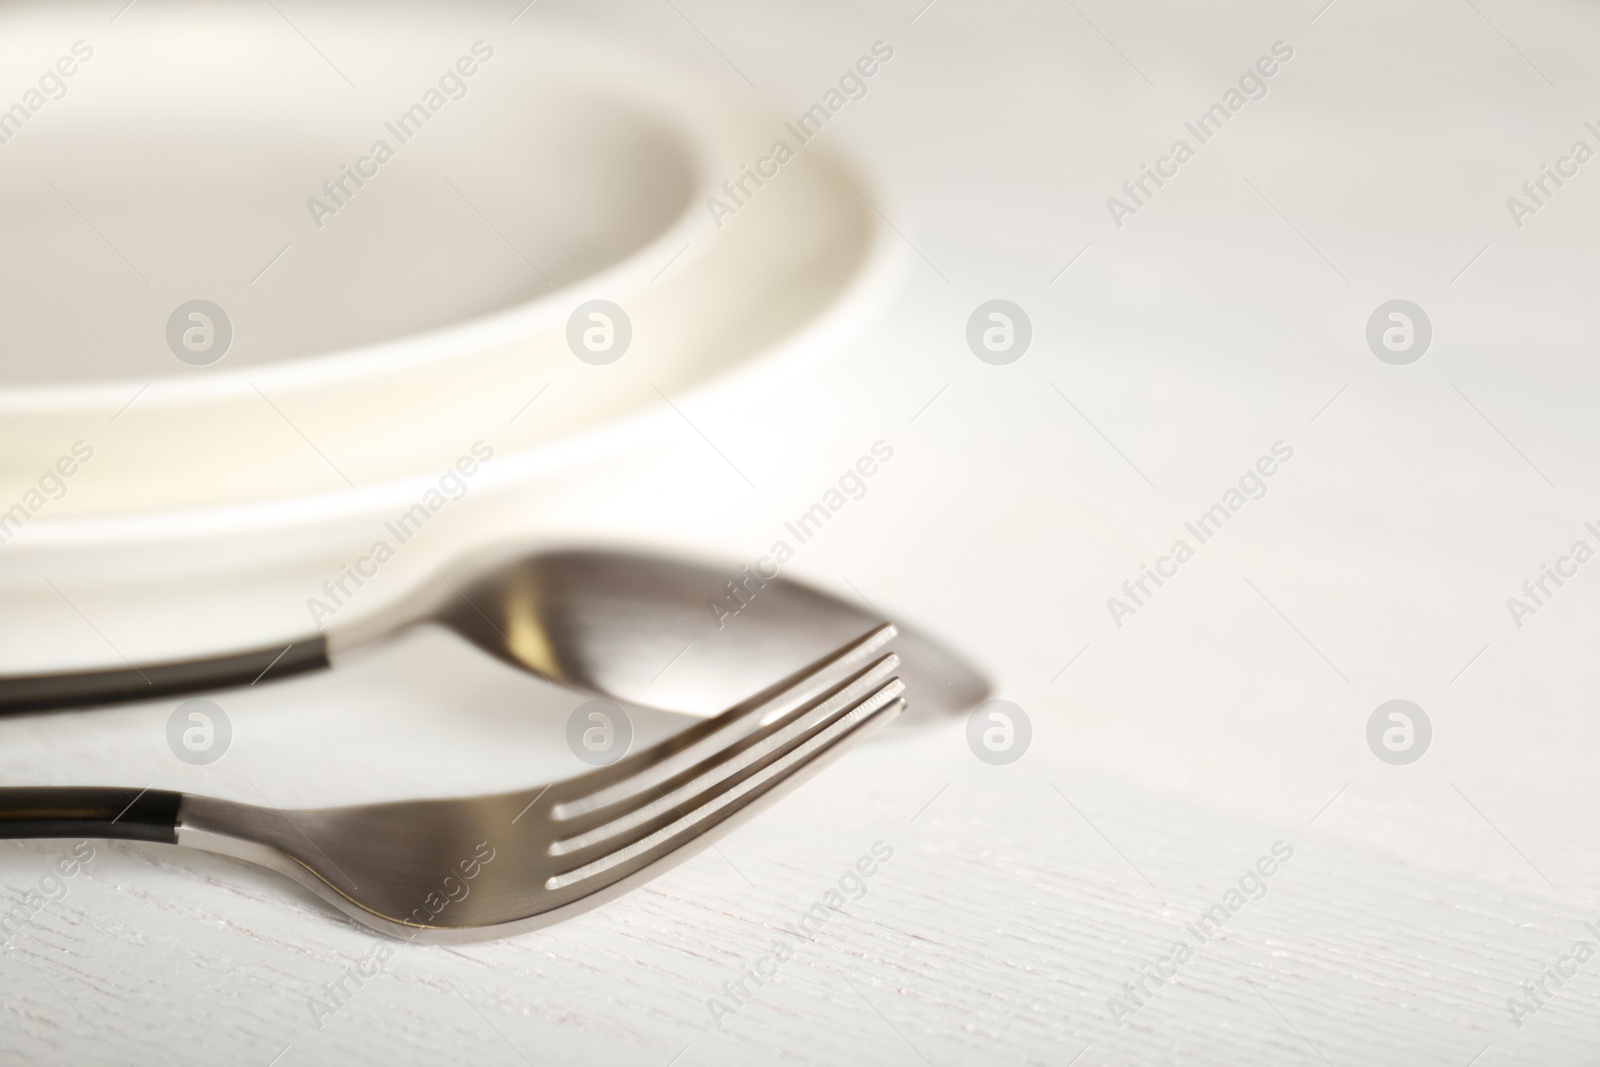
<point x="1170" y="753"/>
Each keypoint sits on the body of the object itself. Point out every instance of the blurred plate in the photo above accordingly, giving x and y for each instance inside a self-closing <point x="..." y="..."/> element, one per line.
<point x="374" y="347"/>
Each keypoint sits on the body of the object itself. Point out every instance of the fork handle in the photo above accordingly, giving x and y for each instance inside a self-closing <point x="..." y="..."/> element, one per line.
<point x="38" y="692"/>
<point x="90" y="811"/>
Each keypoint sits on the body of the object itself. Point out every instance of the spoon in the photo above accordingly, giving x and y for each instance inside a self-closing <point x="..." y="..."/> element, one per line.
<point x="645" y="629"/>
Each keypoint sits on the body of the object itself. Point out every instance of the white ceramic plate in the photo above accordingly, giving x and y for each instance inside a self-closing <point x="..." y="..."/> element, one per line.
<point x="374" y="346"/>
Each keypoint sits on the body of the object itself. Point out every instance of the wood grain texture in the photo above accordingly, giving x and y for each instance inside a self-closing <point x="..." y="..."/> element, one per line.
<point x="1014" y="906"/>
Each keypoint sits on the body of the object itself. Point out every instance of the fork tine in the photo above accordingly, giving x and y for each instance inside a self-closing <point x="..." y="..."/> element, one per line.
<point x="644" y="769"/>
<point x="736" y="757"/>
<point x="784" y="769"/>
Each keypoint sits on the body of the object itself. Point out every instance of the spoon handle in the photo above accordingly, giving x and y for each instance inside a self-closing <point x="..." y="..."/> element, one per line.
<point x="90" y="811"/>
<point x="38" y="692"/>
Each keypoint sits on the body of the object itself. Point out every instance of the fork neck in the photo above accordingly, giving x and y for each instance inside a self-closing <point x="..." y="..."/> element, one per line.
<point x="80" y="811"/>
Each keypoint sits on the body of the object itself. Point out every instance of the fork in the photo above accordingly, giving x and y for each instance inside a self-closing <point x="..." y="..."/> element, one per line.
<point x="469" y="868"/>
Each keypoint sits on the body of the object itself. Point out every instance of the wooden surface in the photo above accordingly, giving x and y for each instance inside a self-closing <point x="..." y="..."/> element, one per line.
<point x="1169" y="753"/>
<point x="1017" y="901"/>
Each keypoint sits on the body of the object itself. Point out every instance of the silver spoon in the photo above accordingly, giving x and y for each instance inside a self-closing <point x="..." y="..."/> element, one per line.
<point x="467" y="868"/>
<point x="649" y="630"/>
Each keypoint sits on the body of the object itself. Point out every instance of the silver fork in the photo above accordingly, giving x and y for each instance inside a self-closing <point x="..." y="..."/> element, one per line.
<point x="463" y="869"/>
